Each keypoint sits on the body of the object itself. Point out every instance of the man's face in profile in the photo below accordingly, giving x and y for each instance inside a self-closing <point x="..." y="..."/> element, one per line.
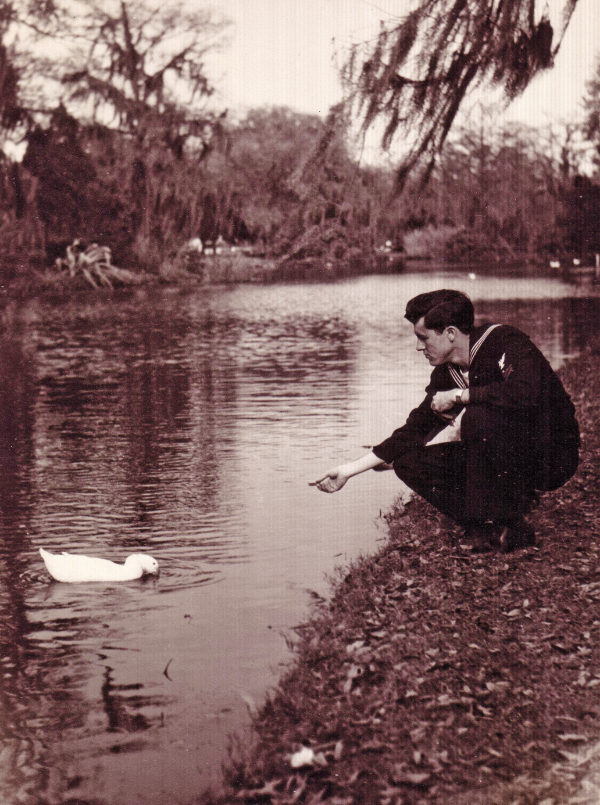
<point x="435" y="346"/>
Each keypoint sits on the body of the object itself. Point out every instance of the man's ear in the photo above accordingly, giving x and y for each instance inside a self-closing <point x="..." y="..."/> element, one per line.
<point x="451" y="332"/>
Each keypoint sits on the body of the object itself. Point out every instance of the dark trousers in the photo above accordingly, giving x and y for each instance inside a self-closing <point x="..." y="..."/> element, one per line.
<point x="492" y="474"/>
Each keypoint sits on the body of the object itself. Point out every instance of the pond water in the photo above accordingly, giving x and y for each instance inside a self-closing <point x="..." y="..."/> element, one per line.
<point x="187" y="425"/>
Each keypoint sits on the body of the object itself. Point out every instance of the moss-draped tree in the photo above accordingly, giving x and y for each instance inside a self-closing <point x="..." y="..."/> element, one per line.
<point x="12" y="112"/>
<point x="415" y="75"/>
<point x="592" y="108"/>
<point x="132" y="73"/>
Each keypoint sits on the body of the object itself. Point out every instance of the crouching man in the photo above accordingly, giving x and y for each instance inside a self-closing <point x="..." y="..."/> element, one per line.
<point x="496" y="426"/>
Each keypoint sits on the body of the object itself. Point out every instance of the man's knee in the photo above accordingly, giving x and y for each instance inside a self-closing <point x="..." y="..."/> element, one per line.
<point x="426" y="465"/>
<point x="407" y="465"/>
<point x="505" y="439"/>
<point x="483" y="423"/>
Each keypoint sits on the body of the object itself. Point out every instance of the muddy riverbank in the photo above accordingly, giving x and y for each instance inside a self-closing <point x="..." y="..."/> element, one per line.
<point x="433" y="675"/>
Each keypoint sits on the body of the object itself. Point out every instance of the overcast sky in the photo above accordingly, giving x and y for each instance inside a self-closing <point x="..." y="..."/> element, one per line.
<point x="284" y="52"/>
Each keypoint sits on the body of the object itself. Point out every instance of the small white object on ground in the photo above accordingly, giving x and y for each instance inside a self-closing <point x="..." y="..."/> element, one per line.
<point x="303" y="757"/>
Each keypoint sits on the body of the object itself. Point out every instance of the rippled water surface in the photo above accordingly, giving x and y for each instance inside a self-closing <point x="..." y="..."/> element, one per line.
<point x="187" y="426"/>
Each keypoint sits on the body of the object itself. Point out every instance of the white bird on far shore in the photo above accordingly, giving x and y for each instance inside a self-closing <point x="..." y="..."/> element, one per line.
<point x="72" y="568"/>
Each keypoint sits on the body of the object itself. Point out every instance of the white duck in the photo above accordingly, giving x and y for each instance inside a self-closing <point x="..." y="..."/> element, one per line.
<point x="70" y="567"/>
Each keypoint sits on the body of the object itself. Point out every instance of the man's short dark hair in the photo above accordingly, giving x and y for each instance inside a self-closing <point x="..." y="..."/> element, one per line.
<point x="442" y="309"/>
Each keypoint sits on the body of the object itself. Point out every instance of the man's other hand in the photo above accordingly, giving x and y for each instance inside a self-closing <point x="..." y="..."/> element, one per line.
<point x="444" y="401"/>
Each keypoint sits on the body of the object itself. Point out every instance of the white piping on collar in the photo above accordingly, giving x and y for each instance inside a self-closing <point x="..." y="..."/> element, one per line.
<point x="479" y="342"/>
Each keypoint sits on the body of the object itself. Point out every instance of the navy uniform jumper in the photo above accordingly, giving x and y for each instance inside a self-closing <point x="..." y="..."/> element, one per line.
<point x="519" y="434"/>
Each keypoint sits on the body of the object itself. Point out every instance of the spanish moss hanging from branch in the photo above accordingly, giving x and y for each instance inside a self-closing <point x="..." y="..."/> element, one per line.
<point x="414" y="77"/>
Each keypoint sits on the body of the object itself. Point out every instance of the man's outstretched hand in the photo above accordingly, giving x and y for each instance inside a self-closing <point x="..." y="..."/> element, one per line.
<point x="333" y="481"/>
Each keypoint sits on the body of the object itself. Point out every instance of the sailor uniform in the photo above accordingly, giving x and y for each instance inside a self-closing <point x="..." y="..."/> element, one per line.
<point x="517" y="434"/>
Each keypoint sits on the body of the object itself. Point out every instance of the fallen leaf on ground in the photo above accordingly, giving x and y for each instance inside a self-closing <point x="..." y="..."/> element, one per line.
<point x="303" y="757"/>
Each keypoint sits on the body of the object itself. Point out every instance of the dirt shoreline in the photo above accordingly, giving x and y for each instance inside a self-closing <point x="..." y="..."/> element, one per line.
<point x="434" y="675"/>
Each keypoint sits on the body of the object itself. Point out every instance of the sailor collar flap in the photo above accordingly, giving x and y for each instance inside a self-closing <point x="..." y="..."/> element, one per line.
<point x="455" y="372"/>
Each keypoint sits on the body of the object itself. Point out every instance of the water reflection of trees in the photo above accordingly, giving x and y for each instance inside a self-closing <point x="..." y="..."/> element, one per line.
<point x="129" y="394"/>
<point x="118" y="708"/>
<point x="561" y="328"/>
<point x="19" y="751"/>
<point x="581" y="320"/>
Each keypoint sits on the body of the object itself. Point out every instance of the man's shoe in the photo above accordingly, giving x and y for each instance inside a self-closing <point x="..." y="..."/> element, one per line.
<point x="502" y="536"/>
<point x="484" y="537"/>
<point x="519" y="534"/>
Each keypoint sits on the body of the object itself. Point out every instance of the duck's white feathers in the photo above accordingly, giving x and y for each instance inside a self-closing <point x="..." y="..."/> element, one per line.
<point x="70" y="567"/>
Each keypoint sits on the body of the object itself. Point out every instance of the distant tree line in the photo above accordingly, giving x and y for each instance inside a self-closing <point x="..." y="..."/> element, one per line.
<point x="125" y="147"/>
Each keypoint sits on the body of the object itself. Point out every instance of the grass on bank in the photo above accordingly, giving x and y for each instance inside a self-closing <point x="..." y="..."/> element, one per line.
<point x="437" y="676"/>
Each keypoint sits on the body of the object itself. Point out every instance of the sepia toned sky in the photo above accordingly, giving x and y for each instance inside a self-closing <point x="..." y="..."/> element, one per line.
<point x="285" y="52"/>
